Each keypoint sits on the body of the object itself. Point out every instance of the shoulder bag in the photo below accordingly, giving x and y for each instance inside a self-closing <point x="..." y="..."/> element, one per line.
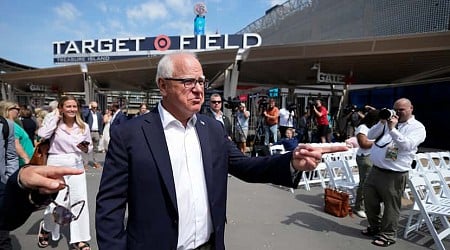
<point x="337" y="203"/>
<point x="40" y="154"/>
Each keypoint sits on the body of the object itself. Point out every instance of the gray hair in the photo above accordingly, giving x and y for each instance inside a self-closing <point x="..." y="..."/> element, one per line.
<point x="53" y="105"/>
<point x="165" y="65"/>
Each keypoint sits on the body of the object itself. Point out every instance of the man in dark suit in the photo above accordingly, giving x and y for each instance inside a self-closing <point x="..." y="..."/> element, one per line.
<point x="95" y="122"/>
<point x="215" y="111"/>
<point x="118" y="116"/>
<point x="171" y="166"/>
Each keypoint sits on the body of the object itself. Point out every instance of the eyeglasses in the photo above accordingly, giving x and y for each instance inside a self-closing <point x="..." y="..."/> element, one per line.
<point x="63" y="215"/>
<point x="18" y="109"/>
<point x="190" y="82"/>
<point x="216" y="102"/>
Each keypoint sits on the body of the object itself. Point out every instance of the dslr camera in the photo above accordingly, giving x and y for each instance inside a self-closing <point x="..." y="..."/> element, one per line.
<point x="386" y="114"/>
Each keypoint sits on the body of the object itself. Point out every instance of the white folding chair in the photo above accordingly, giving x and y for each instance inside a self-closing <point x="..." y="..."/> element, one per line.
<point x="277" y="149"/>
<point x="340" y="178"/>
<point x="423" y="162"/>
<point x="430" y="208"/>
<point x="317" y="176"/>
<point x="445" y="155"/>
<point x="353" y="170"/>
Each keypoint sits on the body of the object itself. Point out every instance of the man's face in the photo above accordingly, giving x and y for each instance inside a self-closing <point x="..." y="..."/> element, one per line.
<point x="183" y="102"/>
<point x="216" y="103"/>
<point x="404" y="110"/>
<point x="272" y="104"/>
<point x="94" y="106"/>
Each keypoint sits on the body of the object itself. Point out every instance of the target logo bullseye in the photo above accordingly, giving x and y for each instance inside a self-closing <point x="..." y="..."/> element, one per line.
<point x="162" y="43"/>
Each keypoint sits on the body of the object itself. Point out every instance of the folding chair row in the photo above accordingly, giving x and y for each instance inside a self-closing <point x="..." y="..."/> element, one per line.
<point x="430" y="206"/>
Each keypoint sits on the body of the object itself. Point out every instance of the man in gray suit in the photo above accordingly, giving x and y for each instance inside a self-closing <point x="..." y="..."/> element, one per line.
<point x="9" y="164"/>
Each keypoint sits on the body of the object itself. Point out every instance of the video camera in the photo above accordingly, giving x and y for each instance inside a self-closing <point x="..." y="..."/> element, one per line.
<point x="386" y="114"/>
<point x="232" y="103"/>
<point x="263" y="102"/>
<point x="351" y="109"/>
<point x="292" y="107"/>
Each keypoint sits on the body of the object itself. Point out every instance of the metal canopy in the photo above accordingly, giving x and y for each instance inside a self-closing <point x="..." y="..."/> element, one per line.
<point x="379" y="60"/>
<point x="139" y="73"/>
<point x="65" y="78"/>
<point x="372" y="61"/>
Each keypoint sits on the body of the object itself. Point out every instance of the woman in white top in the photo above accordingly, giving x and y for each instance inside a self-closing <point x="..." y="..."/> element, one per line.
<point x="363" y="157"/>
<point x="69" y="139"/>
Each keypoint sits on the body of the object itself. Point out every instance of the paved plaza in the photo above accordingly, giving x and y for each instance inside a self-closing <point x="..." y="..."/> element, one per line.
<point x="260" y="216"/>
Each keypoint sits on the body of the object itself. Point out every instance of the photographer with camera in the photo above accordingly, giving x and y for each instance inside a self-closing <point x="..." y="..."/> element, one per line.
<point x="321" y="113"/>
<point x="397" y="136"/>
<point x="271" y="122"/>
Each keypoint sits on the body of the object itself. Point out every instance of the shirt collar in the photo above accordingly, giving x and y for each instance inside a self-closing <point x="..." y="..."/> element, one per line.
<point x="214" y="112"/>
<point x="167" y="118"/>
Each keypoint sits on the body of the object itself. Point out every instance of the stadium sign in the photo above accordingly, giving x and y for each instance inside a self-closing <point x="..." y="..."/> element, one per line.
<point x="85" y="51"/>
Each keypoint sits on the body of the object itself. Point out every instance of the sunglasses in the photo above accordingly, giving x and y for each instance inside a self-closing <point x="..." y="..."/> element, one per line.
<point x="63" y="215"/>
<point x="216" y="102"/>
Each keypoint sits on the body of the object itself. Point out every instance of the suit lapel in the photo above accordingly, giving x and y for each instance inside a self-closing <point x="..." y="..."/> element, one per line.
<point x="203" y="136"/>
<point x="154" y="133"/>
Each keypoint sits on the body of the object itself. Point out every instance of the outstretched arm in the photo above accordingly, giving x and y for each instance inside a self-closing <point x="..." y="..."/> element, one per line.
<point x="306" y="157"/>
<point x="16" y="205"/>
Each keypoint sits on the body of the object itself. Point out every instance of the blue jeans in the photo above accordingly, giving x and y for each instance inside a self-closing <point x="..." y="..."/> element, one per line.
<point x="270" y="129"/>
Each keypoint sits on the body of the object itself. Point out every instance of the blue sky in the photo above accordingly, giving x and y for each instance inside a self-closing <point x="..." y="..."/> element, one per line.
<point x="28" y="28"/>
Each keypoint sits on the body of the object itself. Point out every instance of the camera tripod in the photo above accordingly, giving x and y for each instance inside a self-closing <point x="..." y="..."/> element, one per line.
<point x="259" y="131"/>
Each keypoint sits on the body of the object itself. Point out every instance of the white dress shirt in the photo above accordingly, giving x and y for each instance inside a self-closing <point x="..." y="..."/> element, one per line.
<point x="94" y="121"/>
<point x="406" y="138"/>
<point x="195" y="224"/>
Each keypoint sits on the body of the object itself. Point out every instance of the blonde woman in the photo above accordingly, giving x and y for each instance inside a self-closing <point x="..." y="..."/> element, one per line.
<point x="69" y="139"/>
<point x="24" y="145"/>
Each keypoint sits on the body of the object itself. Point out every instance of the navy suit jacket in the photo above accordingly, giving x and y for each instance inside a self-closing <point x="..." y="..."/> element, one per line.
<point x="90" y="120"/>
<point x="138" y="172"/>
<point x="119" y="119"/>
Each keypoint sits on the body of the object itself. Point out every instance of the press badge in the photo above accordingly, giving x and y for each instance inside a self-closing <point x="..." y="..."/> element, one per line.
<point x="391" y="153"/>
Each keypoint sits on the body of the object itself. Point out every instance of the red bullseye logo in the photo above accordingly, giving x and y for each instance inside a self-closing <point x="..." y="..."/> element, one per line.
<point x="162" y="43"/>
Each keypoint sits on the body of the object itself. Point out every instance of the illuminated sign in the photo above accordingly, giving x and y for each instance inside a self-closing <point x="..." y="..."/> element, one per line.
<point x="85" y="51"/>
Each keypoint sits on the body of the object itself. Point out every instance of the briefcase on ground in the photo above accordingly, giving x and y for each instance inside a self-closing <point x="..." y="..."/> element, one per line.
<point x="337" y="203"/>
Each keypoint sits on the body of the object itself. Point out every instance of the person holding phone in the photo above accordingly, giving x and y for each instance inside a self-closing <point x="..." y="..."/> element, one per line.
<point x="70" y="137"/>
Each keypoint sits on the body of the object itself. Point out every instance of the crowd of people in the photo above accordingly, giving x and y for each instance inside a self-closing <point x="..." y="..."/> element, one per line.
<point x="182" y="158"/>
<point x="76" y="133"/>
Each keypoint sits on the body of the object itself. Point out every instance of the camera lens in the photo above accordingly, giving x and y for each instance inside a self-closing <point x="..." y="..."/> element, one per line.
<point x="386" y="114"/>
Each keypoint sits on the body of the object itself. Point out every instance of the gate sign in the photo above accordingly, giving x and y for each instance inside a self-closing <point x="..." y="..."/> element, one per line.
<point x="330" y="78"/>
<point x="85" y="51"/>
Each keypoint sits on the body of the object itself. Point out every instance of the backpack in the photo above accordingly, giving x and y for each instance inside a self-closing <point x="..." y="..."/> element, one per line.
<point x="5" y="132"/>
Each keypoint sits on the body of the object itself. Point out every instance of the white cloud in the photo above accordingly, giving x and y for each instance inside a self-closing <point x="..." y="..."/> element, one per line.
<point x="147" y="12"/>
<point x="67" y="11"/>
<point x="180" y="5"/>
<point x="181" y="27"/>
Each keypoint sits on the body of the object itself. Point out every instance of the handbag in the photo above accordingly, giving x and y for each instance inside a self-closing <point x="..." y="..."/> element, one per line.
<point x="337" y="203"/>
<point x="40" y="153"/>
